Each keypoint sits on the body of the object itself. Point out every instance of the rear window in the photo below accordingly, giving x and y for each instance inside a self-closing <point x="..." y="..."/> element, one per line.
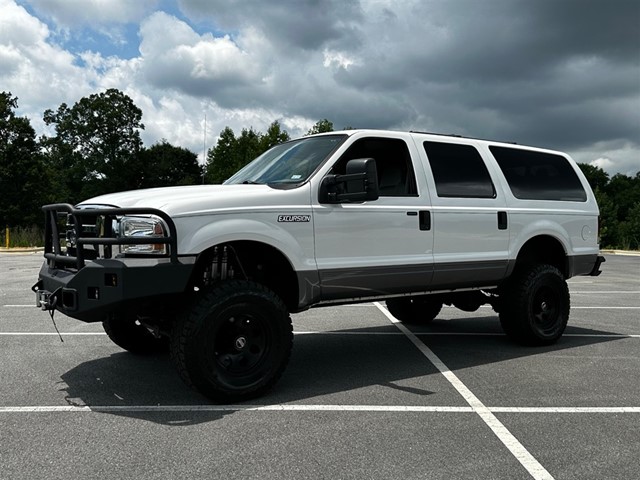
<point x="459" y="171"/>
<point x="539" y="176"/>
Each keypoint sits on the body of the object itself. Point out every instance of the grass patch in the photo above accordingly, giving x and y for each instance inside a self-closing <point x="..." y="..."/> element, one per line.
<point x="24" y="237"/>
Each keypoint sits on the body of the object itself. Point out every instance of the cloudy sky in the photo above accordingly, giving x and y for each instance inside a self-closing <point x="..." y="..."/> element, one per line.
<point x="561" y="74"/>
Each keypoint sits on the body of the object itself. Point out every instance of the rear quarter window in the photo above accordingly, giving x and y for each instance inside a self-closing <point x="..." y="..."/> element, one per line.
<point x="459" y="171"/>
<point x="539" y="176"/>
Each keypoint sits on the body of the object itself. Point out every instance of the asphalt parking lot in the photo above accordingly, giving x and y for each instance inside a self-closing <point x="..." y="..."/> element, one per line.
<point x="362" y="397"/>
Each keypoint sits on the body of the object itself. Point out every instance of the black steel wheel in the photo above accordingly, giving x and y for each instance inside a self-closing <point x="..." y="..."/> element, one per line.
<point x="234" y="343"/>
<point x="535" y="306"/>
<point x="128" y="333"/>
<point x="415" y="310"/>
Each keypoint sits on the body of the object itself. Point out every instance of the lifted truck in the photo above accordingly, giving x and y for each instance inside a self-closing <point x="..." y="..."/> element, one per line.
<point x="420" y="220"/>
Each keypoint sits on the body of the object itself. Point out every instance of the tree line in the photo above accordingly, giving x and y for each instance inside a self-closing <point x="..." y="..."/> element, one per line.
<point x="96" y="148"/>
<point x="619" y="201"/>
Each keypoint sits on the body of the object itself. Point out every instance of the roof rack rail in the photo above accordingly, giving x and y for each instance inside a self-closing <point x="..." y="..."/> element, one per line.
<point x="455" y="135"/>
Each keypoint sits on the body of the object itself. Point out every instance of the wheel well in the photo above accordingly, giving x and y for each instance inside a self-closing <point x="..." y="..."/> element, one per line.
<point x="250" y="260"/>
<point x="543" y="249"/>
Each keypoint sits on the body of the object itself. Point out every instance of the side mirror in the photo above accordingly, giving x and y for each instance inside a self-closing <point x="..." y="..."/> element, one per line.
<point x="358" y="184"/>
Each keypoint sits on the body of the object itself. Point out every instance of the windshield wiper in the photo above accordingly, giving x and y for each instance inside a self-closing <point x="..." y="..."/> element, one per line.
<point x="251" y="182"/>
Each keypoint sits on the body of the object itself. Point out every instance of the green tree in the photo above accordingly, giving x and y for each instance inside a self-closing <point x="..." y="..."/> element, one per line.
<point x="97" y="143"/>
<point x="618" y="198"/>
<point x="231" y="153"/>
<point x="164" y="165"/>
<point x="223" y="158"/>
<point x="630" y="229"/>
<point x="22" y="179"/>
<point x="274" y="136"/>
<point x="608" y="222"/>
<point x="321" y="126"/>
<point x="625" y="193"/>
<point x="247" y="147"/>
<point x="596" y="176"/>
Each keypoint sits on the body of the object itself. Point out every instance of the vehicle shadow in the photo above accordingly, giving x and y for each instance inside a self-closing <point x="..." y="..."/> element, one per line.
<point x="363" y="366"/>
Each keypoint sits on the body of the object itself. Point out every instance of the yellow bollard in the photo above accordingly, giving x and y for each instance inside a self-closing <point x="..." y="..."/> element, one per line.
<point x="6" y="237"/>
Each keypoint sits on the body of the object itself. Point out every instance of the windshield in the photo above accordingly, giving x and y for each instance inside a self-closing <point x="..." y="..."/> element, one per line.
<point x="291" y="163"/>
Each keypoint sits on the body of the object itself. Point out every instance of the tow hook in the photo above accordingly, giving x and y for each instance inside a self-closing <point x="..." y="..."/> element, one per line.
<point x="45" y="300"/>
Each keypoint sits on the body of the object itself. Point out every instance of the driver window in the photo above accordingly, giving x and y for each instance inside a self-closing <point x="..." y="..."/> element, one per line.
<point x="393" y="162"/>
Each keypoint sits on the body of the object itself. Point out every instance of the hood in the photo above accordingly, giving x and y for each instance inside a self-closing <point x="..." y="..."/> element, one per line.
<point x="192" y="199"/>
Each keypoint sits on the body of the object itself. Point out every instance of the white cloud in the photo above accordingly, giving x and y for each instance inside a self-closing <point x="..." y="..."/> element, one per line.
<point x="174" y="56"/>
<point x="338" y="60"/>
<point x="161" y="32"/>
<point x="603" y="162"/>
<point x="526" y="72"/>
<point x="40" y="73"/>
<point x="18" y="27"/>
<point x="613" y="157"/>
<point x="72" y="13"/>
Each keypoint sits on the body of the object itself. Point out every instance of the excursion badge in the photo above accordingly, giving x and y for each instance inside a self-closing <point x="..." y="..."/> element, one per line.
<point x="294" y="218"/>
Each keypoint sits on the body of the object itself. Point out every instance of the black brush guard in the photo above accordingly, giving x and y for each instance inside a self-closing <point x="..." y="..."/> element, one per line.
<point x="58" y="259"/>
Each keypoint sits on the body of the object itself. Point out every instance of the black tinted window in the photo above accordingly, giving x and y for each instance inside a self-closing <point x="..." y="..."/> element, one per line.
<point x="539" y="176"/>
<point x="393" y="163"/>
<point x="459" y="171"/>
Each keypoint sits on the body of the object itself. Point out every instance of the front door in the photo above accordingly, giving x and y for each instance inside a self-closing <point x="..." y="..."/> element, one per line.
<point x="379" y="247"/>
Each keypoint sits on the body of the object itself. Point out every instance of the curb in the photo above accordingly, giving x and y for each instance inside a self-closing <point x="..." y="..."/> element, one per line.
<point x="631" y="253"/>
<point x="17" y="250"/>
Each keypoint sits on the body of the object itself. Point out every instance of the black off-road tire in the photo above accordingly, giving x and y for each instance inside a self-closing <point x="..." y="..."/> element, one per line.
<point x="535" y="305"/>
<point x="234" y="342"/>
<point x="415" y="310"/>
<point x="129" y="334"/>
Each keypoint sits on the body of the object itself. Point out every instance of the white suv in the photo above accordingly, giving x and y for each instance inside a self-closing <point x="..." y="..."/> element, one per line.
<point x="212" y="272"/>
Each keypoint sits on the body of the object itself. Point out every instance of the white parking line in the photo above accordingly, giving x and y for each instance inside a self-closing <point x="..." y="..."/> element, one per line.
<point x="308" y="408"/>
<point x="565" y="409"/>
<point x="525" y="458"/>
<point x="608" y="292"/>
<point x="235" y="408"/>
<point x="454" y="334"/>
<point x="463" y="334"/>
<point x="605" y="308"/>
<point x="445" y="306"/>
<point x="601" y="335"/>
<point x="49" y="334"/>
<point x="338" y="332"/>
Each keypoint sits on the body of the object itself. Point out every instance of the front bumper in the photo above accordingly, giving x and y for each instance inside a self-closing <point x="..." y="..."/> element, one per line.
<point x="90" y="281"/>
<point x="106" y="286"/>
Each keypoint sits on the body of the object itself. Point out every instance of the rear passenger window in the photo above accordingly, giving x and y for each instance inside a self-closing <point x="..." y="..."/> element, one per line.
<point x="539" y="176"/>
<point x="459" y="171"/>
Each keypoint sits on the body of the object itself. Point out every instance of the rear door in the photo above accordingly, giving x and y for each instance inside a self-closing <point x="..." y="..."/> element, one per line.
<point x="470" y="220"/>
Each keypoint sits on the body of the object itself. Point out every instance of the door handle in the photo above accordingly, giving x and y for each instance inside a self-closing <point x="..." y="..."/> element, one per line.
<point x="502" y="221"/>
<point x="425" y="220"/>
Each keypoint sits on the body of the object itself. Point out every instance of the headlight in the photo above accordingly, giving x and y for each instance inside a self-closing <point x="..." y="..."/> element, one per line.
<point x="142" y="227"/>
